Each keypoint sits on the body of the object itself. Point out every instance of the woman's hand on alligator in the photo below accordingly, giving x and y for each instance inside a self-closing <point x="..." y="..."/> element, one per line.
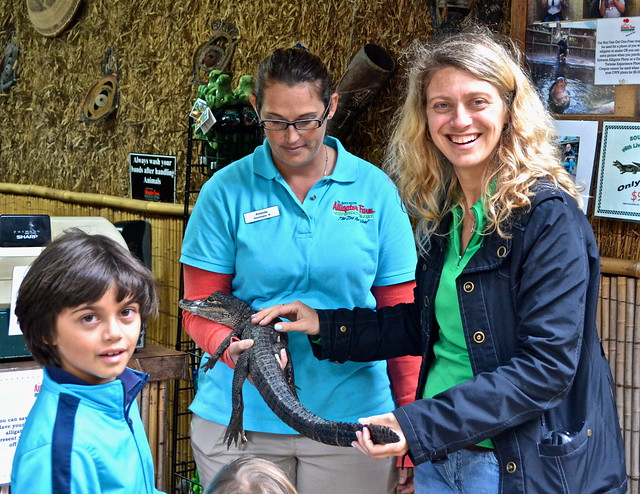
<point x="301" y="318"/>
<point x="238" y="347"/>
<point x="365" y="445"/>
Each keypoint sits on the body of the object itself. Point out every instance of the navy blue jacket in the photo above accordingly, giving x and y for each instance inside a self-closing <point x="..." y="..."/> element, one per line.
<point x="528" y="308"/>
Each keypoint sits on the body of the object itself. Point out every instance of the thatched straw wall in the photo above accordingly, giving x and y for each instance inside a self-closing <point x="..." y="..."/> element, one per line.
<point x="156" y="40"/>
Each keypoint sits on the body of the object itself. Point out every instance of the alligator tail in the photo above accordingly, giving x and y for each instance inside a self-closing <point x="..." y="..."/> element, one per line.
<point x="270" y="382"/>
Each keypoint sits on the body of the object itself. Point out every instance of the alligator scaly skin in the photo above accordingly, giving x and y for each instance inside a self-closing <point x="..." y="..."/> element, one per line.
<point x="275" y="385"/>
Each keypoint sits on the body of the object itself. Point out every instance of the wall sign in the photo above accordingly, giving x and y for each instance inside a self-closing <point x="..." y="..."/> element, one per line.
<point x="153" y="177"/>
<point x="23" y="387"/>
<point x="618" y="191"/>
<point x="618" y="51"/>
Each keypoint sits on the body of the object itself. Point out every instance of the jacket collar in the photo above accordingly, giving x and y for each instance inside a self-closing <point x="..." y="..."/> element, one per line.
<point x="490" y="254"/>
<point x="132" y="381"/>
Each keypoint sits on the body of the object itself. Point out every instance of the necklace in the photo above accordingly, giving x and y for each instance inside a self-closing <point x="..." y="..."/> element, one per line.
<point x="473" y="220"/>
<point x="326" y="161"/>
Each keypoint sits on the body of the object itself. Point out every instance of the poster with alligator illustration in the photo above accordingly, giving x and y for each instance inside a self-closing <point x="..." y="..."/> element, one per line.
<point x="618" y="185"/>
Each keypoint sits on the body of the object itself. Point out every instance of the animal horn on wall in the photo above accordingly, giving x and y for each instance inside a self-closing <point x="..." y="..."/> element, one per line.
<point x="368" y="72"/>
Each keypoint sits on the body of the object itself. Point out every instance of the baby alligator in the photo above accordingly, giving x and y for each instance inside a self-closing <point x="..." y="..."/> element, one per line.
<point x="275" y="385"/>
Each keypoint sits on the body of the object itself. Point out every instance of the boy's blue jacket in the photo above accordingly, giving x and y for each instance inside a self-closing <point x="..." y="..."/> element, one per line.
<point x="528" y="306"/>
<point x="84" y="439"/>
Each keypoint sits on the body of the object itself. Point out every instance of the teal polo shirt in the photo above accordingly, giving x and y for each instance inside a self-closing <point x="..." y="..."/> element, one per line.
<point x="451" y="364"/>
<point x="349" y="234"/>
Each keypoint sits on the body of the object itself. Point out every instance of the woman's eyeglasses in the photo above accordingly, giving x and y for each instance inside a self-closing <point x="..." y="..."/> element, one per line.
<point x="305" y="124"/>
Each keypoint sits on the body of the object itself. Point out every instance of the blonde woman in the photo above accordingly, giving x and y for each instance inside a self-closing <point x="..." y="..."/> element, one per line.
<point x="515" y="394"/>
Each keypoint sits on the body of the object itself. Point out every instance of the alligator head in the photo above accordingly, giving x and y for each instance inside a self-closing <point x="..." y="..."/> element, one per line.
<point x="219" y="307"/>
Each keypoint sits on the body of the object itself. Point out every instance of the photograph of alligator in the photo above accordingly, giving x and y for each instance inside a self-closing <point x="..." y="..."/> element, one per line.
<point x="275" y="385"/>
<point x="633" y="168"/>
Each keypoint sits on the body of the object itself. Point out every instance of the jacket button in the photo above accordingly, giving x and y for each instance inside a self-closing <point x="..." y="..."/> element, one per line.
<point x="343" y="329"/>
<point x="468" y="287"/>
<point x="426" y="301"/>
<point x="478" y="337"/>
<point x="511" y="467"/>
<point x="424" y="267"/>
<point x="502" y="251"/>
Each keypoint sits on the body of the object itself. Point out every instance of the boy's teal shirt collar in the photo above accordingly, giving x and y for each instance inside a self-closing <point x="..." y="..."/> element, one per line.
<point x="132" y="380"/>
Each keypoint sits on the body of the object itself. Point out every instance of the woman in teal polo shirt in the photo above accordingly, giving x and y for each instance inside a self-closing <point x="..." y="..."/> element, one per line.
<point x="299" y="218"/>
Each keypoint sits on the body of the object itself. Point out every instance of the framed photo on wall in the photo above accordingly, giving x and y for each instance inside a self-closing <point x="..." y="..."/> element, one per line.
<point x="577" y="142"/>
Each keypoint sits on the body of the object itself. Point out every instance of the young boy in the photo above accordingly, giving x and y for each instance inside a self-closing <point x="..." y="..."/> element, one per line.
<point x="80" y="308"/>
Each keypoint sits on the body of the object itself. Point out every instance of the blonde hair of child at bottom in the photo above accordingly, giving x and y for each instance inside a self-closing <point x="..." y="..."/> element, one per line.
<point x="250" y="475"/>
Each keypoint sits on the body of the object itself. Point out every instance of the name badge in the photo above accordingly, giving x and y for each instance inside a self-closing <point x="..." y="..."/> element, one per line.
<point x="261" y="214"/>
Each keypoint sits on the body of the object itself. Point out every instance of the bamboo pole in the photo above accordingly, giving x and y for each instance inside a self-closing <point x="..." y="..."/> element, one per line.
<point x="621" y="296"/>
<point x="144" y="408"/>
<point x="634" y="472"/>
<point x="620" y="267"/>
<point x="153" y="420"/>
<point x="604" y="301"/>
<point x="87" y="199"/>
<point x="629" y="302"/>
<point x="599" y="309"/>
<point x="162" y="446"/>
<point x="613" y="335"/>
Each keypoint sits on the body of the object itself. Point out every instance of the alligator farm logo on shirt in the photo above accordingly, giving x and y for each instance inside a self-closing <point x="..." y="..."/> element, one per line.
<point x="352" y="211"/>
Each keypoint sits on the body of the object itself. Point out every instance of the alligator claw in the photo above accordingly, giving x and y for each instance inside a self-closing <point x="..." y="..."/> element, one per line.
<point x="237" y="437"/>
<point x="208" y="365"/>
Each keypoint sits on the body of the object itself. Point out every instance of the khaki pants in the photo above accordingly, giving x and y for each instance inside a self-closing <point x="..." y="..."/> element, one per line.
<point x="314" y="468"/>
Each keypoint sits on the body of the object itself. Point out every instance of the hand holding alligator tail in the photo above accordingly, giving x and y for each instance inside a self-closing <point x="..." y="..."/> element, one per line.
<point x="368" y="447"/>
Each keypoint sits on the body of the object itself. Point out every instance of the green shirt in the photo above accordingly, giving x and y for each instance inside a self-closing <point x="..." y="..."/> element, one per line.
<point x="451" y="364"/>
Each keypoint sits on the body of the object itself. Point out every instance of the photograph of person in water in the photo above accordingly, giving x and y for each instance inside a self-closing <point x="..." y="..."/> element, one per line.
<point x="561" y="60"/>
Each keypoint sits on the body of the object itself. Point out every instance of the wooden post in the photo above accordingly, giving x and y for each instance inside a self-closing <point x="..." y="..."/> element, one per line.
<point x="162" y="441"/>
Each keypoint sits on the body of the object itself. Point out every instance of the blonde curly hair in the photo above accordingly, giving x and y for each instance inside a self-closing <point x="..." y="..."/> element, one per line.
<point x="526" y="153"/>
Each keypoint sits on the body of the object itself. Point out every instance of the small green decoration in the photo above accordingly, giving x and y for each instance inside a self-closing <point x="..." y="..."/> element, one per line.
<point x="236" y="131"/>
